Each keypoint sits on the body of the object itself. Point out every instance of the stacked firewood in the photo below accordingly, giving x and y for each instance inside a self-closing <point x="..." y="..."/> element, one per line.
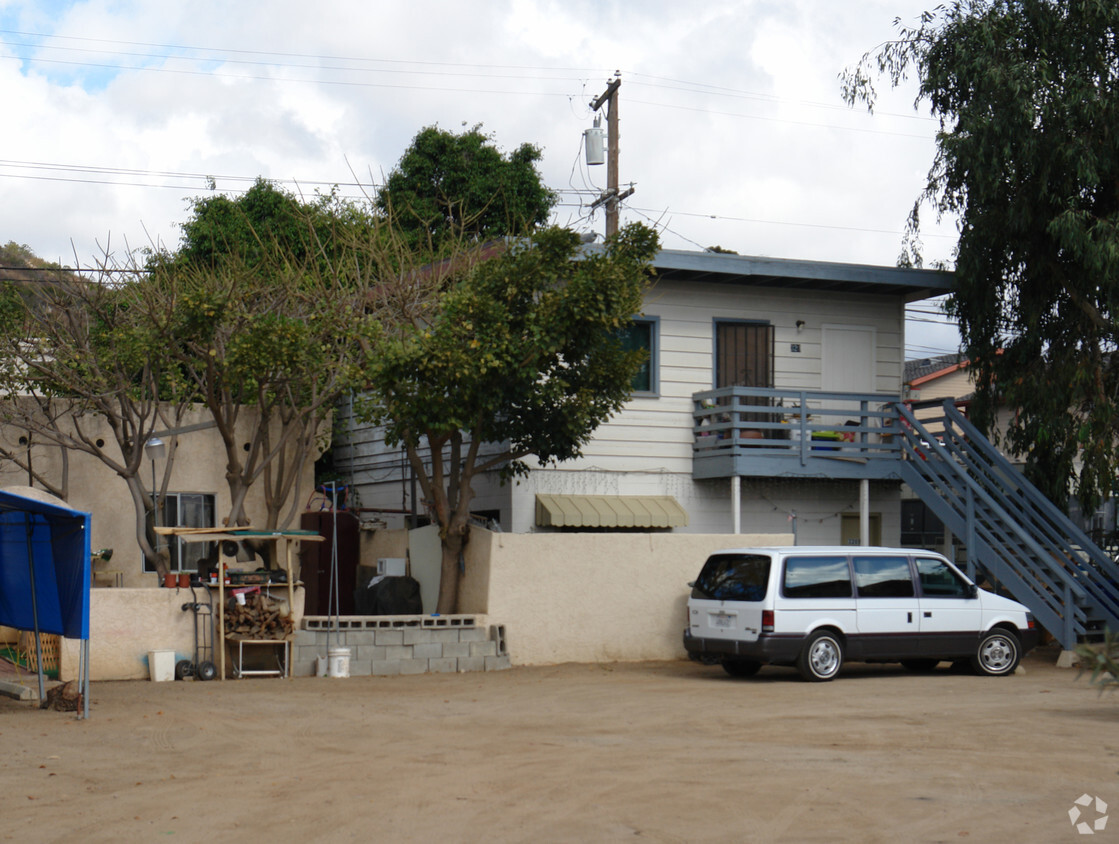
<point x="258" y="618"/>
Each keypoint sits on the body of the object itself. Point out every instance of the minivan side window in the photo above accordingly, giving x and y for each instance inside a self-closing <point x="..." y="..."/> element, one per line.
<point x="817" y="577"/>
<point x="733" y="577"/>
<point x="883" y="577"/>
<point x="938" y="580"/>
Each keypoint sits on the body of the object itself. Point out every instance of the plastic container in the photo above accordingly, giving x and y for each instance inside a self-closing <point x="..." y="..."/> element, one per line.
<point x="161" y="665"/>
<point x="338" y="662"/>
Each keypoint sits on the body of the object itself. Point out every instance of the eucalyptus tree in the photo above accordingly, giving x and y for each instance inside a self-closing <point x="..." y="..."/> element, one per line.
<point x="1026" y="93"/>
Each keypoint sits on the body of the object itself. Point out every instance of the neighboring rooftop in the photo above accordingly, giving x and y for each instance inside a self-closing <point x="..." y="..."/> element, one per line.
<point x="923" y="368"/>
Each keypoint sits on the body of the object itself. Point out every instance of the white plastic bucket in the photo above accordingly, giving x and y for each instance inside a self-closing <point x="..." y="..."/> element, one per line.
<point x="161" y="665"/>
<point x="338" y="660"/>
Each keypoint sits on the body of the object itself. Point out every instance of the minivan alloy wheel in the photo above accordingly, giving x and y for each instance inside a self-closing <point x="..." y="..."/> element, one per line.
<point x="997" y="654"/>
<point x="821" y="658"/>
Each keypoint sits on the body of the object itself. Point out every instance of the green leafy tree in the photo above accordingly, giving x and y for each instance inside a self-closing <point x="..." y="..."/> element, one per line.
<point x="266" y="314"/>
<point x="449" y="186"/>
<point x="1027" y="96"/>
<point x="250" y="228"/>
<point x="523" y="356"/>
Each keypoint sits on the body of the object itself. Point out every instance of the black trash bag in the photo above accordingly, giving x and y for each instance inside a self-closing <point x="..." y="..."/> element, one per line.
<point x="389" y="596"/>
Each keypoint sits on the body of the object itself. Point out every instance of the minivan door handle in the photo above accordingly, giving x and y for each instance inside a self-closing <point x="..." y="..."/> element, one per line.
<point x="909" y="617"/>
<point x="928" y="615"/>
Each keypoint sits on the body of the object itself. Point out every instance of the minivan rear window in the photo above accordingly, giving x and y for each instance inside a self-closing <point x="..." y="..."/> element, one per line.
<point x="733" y="577"/>
<point x="817" y="577"/>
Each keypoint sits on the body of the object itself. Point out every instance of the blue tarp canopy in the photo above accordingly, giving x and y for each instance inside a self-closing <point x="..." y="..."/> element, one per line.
<point x="44" y="564"/>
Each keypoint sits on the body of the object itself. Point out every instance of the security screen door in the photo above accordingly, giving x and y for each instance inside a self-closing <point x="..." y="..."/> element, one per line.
<point x="743" y="354"/>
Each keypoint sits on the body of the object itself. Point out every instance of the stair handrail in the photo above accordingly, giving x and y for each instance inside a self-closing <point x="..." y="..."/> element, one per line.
<point x="993" y="534"/>
<point x="1003" y="484"/>
<point x="1074" y="546"/>
<point x="1036" y="498"/>
<point x="931" y="444"/>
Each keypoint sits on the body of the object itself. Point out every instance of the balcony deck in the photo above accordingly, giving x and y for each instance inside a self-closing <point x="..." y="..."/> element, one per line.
<point x="758" y="432"/>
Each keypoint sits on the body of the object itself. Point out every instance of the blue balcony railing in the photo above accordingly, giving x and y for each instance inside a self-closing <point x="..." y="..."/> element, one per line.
<point x="759" y="432"/>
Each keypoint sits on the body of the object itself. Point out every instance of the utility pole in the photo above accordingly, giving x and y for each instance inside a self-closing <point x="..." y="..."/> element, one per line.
<point x="611" y="197"/>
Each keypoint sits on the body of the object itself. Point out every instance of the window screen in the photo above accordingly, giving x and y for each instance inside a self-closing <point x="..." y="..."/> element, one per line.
<point x="185" y="509"/>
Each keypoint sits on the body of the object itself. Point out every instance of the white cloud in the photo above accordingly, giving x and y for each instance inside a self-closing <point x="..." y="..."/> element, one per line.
<point x="732" y="126"/>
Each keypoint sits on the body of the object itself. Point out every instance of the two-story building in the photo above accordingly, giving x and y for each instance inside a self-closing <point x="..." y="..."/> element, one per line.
<point x="761" y="409"/>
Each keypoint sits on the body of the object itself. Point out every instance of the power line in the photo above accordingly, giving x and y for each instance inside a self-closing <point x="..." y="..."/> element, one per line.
<point x="73" y="170"/>
<point x="722" y="91"/>
<point x="256" y="78"/>
<point x="783" y="222"/>
<point x="397" y="66"/>
<point x="241" y="51"/>
<point x="809" y="123"/>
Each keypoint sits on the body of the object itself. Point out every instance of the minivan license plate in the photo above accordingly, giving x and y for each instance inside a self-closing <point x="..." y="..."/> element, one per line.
<point x="722" y="620"/>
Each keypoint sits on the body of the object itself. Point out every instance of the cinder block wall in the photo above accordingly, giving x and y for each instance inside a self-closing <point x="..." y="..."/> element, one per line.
<point x="407" y="644"/>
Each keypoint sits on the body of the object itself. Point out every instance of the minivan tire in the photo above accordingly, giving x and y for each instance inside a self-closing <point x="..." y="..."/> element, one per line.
<point x="997" y="654"/>
<point x="821" y="657"/>
<point x="741" y="667"/>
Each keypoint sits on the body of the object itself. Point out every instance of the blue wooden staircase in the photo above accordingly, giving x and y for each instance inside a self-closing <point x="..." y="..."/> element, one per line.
<point x="1014" y="536"/>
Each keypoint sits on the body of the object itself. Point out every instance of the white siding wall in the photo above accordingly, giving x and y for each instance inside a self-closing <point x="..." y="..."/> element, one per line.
<point x="812" y="508"/>
<point x="655" y="434"/>
<point x="647" y="447"/>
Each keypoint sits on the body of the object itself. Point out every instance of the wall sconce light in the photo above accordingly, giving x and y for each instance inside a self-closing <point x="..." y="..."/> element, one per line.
<point x="154" y="449"/>
<point x="800" y="325"/>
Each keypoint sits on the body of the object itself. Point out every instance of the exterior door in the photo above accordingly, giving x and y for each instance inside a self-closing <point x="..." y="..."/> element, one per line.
<point x="950" y="617"/>
<point x="888" y="610"/>
<point x="848" y="359"/>
<point x="744" y="358"/>
<point x="849" y="529"/>
<point x="743" y="354"/>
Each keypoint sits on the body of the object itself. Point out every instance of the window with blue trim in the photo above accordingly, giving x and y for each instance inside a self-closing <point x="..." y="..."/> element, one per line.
<point x="642" y="334"/>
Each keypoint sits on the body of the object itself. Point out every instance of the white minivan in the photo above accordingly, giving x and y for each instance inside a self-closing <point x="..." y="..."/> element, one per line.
<point x="814" y="607"/>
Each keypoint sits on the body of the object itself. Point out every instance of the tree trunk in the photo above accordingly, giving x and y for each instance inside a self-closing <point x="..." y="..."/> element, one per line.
<point x="452" y="544"/>
<point x="142" y="506"/>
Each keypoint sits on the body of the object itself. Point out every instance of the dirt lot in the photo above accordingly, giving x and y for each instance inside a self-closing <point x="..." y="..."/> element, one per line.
<point x="667" y="751"/>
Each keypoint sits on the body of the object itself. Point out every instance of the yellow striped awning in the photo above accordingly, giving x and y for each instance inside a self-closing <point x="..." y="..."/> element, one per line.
<point x="609" y="511"/>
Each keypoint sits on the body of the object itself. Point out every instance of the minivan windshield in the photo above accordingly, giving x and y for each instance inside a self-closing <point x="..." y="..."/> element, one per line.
<point x="733" y="577"/>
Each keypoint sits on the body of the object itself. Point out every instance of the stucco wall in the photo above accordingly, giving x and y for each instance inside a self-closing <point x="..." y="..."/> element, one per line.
<point x="124" y="624"/>
<point x="91" y="486"/>
<point x="591" y="597"/>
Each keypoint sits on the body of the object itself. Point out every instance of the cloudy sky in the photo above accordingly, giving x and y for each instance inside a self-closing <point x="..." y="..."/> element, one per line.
<point x="733" y="133"/>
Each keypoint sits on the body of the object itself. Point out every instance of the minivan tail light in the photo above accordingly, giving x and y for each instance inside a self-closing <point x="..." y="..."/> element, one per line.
<point x="767" y="621"/>
<point x="1031" y="622"/>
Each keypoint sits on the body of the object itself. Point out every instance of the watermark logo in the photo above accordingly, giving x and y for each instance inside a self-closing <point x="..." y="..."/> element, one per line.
<point x="1079" y="814"/>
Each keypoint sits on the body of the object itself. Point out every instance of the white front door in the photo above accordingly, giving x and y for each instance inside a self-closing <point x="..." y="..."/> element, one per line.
<point x="848" y="359"/>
